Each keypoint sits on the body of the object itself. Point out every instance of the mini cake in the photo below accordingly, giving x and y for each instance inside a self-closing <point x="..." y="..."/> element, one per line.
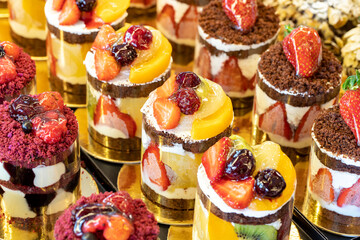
<point x="334" y="176"/>
<point x="230" y="43"/>
<point x="244" y="192"/>
<point x="107" y="216"/>
<point x="73" y="26"/>
<point x="17" y="72"/>
<point x="39" y="164"/>
<point x="177" y="20"/>
<point x="123" y="68"/>
<point x="294" y="82"/>
<point x="181" y="120"/>
<point x="141" y="10"/>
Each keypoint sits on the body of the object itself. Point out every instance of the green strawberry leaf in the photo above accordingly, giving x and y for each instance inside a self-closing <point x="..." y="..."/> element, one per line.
<point x="352" y="82"/>
<point x="288" y="30"/>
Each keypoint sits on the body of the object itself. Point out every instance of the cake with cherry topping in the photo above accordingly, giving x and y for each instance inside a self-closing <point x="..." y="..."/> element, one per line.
<point x="334" y="176"/>
<point x="39" y="164"/>
<point x="181" y="120"/>
<point x="244" y="192"/>
<point x="296" y="78"/>
<point x="123" y="68"/>
<point x="107" y="216"/>
<point x="17" y="72"/>
<point x="232" y="36"/>
<point x="73" y="26"/>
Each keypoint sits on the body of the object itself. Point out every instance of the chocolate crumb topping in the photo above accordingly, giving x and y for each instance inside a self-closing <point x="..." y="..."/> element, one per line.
<point x="216" y="24"/>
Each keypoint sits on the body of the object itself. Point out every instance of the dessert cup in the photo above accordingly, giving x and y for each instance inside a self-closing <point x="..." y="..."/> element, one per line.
<point x="28" y="25"/>
<point x="261" y="217"/>
<point x="172" y="154"/>
<point x="228" y="56"/>
<point x="68" y="44"/>
<point x="142" y="12"/>
<point x="38" y="178"/>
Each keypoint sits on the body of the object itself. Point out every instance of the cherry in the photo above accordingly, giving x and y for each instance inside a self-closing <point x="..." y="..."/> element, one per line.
<point x="188" y="79"/>
<point x="240" y="165"/>
<point x="139" y="37"/>
<point x="269" y="183"/>
<point x="86" y="5"/>
<point x="187" y="100"/>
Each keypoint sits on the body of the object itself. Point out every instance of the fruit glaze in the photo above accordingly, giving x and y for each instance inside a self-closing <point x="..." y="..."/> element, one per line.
<point x="123" y="68"/>
<point x="39" y="164"/>
<point x="181" y="120"/>
<point x="244" y="192"/>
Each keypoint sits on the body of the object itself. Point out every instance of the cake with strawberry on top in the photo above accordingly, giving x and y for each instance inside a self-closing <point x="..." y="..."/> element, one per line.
<point x="123" y="68"/>
<point x="181" y="120"/>
<point x="232" y="36"/>
<point x="17" y="72"/>
<point x="73" y="26"/>
<point x="296" y="78"/>
<point x="244" y="192"/>
<point x="107" y="216"/>
<point x="334" y="176"/>
<point x="39" y="164"/>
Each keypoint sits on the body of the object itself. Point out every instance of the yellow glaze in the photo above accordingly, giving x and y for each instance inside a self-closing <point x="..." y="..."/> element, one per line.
<point x="111" y="10"/>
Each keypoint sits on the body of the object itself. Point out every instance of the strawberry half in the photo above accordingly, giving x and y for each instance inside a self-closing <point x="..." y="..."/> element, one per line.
<point x="214" y="159"/>
<point x="57" y="4"/>
<point x="166" y="113"/>
<point x="303" y="50"/>
<point x="168" y="88"/>
<point x="350" y="196"/>
<point x="242" y="13"/>
<point x="236" y="194"/>
<point x="51" y="101"/>
<point x="106" y="67"/>
<point x="11" y="49"/>
<point x="321" y="185"/>
<point x="70" y="13"/>
<point x="7" y="69"/>
<point x="105" y="38"/>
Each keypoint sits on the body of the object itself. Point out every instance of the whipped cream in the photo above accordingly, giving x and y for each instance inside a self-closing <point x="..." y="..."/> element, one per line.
<point x="14" y="204"/>
<point x="62" y="201"/>
<point x="4" y="175"/>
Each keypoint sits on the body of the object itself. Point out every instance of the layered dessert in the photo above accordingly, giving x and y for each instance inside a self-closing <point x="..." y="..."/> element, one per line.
<point x="230" y="43"/>
<point x="73" y="26"/>
<point x="28" y="25"/>
<point x="39" y="164"/>
<point x="334" y="176"/>
<point x="294" y="82"/>
<point x="123" y="68"/>
<point x="107" y="216"/>
<point x="244" y="192"/>
<point x="181" y="120"/>
<point x="177" y="20"/>
<point x="17" y="72"/>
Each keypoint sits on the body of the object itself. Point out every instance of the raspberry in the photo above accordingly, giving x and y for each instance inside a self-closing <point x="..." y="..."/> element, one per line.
<point x="24" y="108"/>
<point x="187" y="79"/>
<point x="124" y="53"/>
<point x="138" y="36"/>
<point x="187" y="100"/>
<point x="86" y="5"/>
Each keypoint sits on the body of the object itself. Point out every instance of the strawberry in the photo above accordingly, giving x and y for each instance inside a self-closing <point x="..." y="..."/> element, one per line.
<point x="214" y="159"/>
<point x="166" y="113"/>
<point x="70" y="13"/>
<point x="154" y="168"/>
<point x="11" y="49"/>
<point x="166" y="19"/>
<point x="49" y="126"/>
<point x="7" y="69"/>
<point x="242" y="13"/>
<point x="122" y="201"/>
<point x="106" y="66"/>
<point x="349" y="104"/>
<point x="303" y="49"/>
<point x="350" y="196"/>
<point x="57" y="5"/>
<point x="305" y="125"/>
<point x="236" y="194"/>
<point x="321" y="184"/>
<point x="168" y="88"/>
<point x="187" y="27"/>
<point x="203" y="63"/>
<point x="91" y="20"/>
<point x="118" y="228"/>
<point x="105" y="38"/>
<point x="99" y="222"/>
<point x="274" y="121"/>
<point x="108" y="114"/>
<point x="51" y="101"/>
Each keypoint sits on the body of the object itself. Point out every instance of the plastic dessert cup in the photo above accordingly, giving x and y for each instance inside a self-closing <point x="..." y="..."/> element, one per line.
<point x="229" y="57"/>
<point x="173" y="142"/>
<point x="114" y="101"/>
<point x="69" y="41"/>
<point x="107" y="216"/>
<point x="39" y="165"/>
<point x="237" y="209"/>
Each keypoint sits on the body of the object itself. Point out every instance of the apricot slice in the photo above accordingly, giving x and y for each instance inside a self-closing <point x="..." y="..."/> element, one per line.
<point x="111" y="10"/>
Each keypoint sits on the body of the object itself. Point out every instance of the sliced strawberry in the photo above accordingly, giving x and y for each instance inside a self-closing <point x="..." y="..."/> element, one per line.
<point x="214" y="159"/>
<point x="203" y="63"/>
<point x="166" y="19"/>
<point x="106" y="67"/>
<point x="98" y="223"/>
<point x="350" y="112"/>
<point x="305" y="125"/>
<point x="166" y="113"/>
<point x="119" y="228"/>
<point x="105" y="38"/>
<point x="11" y="49"/>
<point x="274" y="121"/>
<point x="230" y="76"/>
<point x="236" y="194"/>
<point x="242" y="13"/>
<point x="168" y="88"/>
<point x="154" y="168"/>
<point x="91" y="20"/>
<point x="122" y="201"/>
<point x="57" y="4"/>
<point x="321" y="185"/>
<point x="187" y="27"/>
<point x="51" y="101"/>
<point x="108" y="114"/>
<point x="350" y="196"/>
<point x="7" y="69"/>
<point x="70" y="13"/>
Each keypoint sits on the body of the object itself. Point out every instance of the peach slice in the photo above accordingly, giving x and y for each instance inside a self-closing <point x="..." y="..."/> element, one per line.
<point x="220" y="229"/>
<point x="111" y="10"/>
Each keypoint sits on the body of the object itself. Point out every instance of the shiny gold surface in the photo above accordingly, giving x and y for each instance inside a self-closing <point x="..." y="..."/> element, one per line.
<point x="98" y="151"/>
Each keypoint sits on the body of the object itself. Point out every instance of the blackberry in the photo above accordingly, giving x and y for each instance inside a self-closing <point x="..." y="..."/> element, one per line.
<point x="269" y="183"/>
<point x="187" y="100"/>
<point x="124" y="53"/>
<point x="86" y="5"/>
<point x="24" y="108"/>
<point x="240" y="165"/>
<point x="188" y="79"/>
